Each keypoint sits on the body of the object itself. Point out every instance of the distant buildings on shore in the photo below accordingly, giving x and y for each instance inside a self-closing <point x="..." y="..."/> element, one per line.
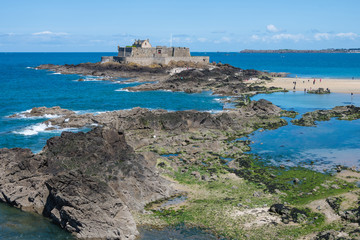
<point x="330" y="50"/>
<point x="142" y="53"/>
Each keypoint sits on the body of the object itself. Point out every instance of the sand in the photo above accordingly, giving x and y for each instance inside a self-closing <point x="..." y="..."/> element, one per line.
<point x="335" y="85"/>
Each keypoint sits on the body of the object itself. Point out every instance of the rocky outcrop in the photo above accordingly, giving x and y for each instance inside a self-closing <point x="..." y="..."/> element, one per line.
<point x="222" y="79"/>
<point x="319" y="91"/>
<point x="86" y="182"/>
<point x="255" y="113"/>
<point x="349" y="112"/>
<point x="109" y="70"/>
<point x="289" y="214"/>
<point x="44" y="112"/>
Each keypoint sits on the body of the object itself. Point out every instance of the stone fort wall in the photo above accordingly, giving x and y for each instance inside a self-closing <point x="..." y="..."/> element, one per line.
<point x="154" y="55"/>
<point x="154" y="52"/>
<point x="155" y="60"/>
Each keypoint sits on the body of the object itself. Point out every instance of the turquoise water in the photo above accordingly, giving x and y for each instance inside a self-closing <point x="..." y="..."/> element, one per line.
<point x="320" y="147"/>
<point x="23" y="88"/>
<point x="319" y="65"/>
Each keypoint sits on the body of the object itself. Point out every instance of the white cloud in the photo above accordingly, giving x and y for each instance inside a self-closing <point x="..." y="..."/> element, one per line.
<point x="48" y="33"/>
<point x="279" y="37"/>
<point x="322" y="36"/>
<point x="255" y="37"/>
<point x="287" y="36"/>
<point x="349" y="35"/>
<point x="271" y="28"/>
<point x="328" y="36"/>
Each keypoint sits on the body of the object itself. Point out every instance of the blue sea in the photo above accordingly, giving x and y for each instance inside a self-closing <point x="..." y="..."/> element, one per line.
<point x="24" y="87"/>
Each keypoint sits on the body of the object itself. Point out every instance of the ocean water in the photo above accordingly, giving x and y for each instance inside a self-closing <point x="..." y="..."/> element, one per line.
<point x="309" y="65"/>
<point x="23" y="88"/>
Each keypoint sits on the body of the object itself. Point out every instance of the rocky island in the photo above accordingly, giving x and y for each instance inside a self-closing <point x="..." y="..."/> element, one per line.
<point x="104" y="183"/>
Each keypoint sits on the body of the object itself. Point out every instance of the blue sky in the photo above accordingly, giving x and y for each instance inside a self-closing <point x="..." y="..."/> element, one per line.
<point x="227" y="25"/>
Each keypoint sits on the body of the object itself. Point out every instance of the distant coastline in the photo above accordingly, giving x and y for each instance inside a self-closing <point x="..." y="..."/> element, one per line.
<point x="330" y="50"/>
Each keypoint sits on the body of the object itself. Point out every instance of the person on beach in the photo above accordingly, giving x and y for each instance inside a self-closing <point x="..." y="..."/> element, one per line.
<point x="314" y="82"/>
<point x="304" y="90"/>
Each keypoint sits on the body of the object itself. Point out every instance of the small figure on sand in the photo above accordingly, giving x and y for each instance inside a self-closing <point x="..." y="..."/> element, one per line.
<point x="304" y="90"/>
<point x="314" y="82"/>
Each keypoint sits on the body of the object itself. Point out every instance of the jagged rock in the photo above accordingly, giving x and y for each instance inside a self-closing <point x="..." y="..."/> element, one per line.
<point x="319" y="91"/>
<point x="86" y="182"/>
<point x="43" y="112"/>
<point x="288" y="213"/>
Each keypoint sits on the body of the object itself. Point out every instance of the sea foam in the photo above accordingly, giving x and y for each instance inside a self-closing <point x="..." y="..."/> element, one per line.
<point x="41" y="128"/>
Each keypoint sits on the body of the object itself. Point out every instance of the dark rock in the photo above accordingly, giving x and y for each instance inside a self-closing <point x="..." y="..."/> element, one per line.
<point x="349" y="112"/>
<point x="289" y="214"/>
<point x="331" y="235"/>
<point x="86" y="182"/>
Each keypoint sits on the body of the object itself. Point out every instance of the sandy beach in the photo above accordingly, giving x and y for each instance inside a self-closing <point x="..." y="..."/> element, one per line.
<point x="335" y="85"/>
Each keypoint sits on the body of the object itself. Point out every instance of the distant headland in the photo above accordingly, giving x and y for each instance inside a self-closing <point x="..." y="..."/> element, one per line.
<point x="329" y="50"/>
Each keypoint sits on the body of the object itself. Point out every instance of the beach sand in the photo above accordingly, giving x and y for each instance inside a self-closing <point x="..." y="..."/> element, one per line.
<point x="335" y="85"/>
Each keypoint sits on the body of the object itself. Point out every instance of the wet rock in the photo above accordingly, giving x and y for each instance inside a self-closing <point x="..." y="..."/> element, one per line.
<point x="349" y="112"/>
<point x="319" y="91"/>
<point x="44" y="112"/>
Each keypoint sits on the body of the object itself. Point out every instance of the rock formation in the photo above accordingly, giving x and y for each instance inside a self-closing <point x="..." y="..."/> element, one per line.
<point x="85" y="182"/>
<point x="349" y="112"/>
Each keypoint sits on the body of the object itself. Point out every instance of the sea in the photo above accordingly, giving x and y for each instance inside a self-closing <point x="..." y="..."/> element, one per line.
<point x="320" y="148"/>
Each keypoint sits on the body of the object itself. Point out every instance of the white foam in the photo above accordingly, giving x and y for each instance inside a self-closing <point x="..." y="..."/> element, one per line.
<point x="56" y="73"/>
<point x="29" y="67"/>
<point x="34" y="129"/>
<point x="41" y="128"/>
<point x="122" y="90"/>
<point x="23" y="115"/>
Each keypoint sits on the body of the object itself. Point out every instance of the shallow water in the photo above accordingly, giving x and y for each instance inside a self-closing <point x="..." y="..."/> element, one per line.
<point x="321" y="147"/>
<point x="18" y="225"/>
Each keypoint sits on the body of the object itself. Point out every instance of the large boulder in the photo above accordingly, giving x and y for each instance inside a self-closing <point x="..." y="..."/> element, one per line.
<point x="86" y="182"/>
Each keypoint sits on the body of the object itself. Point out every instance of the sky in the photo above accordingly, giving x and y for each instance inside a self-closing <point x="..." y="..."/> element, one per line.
<point x="202" y="25"/>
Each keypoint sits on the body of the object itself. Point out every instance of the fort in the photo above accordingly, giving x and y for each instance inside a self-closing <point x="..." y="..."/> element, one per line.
<point x="142" y="53"/>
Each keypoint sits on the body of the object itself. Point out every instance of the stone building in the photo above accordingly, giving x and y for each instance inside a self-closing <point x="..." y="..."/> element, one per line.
<point x="141" y="52"/>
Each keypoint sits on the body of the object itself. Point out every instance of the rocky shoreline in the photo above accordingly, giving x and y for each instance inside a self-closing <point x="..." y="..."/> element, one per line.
<point x="349" y="113"/>
<point x="221" y="79"/>
<point x="102" y="184"/>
